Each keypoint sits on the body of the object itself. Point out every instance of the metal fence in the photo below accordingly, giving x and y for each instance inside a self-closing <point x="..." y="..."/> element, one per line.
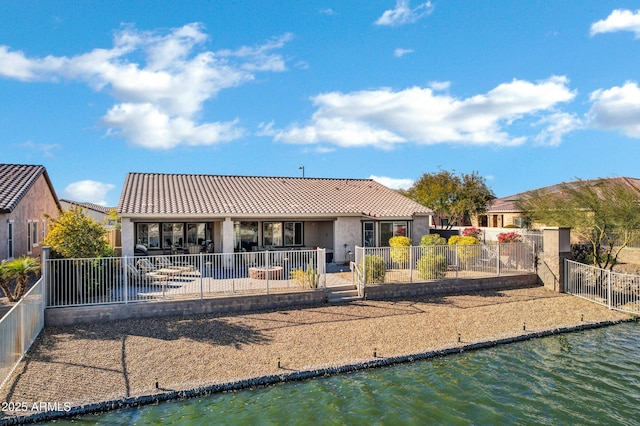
<point x="384" y="265"/>
<point x="612" y="289"/>
<point x="19" y="328"/>
<point x="75" y="282"/>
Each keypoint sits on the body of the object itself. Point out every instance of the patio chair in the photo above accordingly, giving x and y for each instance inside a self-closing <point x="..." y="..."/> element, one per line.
<point x="165" y="263"/>
<point x="139" y="276"/>
<point x="145" y="265"/>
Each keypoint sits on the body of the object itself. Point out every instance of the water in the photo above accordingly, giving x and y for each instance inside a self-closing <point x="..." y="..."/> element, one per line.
<point x="590" y="377"/>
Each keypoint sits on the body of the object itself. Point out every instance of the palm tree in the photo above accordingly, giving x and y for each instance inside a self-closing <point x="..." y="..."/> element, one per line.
<point x="5" y="278"/>
<point x="18" y="269"/>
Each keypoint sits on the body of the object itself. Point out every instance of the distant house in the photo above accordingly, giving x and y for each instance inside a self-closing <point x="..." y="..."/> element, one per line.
<point x="26" y="196"/>
<point x="504" y="212"/>
<point x="252" y="213"/>
<point x="95" y="211"/>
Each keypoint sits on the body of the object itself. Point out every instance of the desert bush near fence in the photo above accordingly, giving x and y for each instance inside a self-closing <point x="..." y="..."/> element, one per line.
<point x="432" y="266"/>
<point x="374" y="268"/>
<point x="400" y="249"/>
<point x="306" y="278"/>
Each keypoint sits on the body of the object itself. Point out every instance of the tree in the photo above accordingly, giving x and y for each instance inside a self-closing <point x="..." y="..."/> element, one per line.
<point x="19" y="270"/>
<point x="73" y="234"/>
<point x="452" y="197"/>
<point x="603" y="212"/>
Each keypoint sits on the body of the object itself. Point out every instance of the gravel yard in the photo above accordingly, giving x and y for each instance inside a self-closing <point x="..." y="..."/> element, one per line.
<point x="99" y="362"/>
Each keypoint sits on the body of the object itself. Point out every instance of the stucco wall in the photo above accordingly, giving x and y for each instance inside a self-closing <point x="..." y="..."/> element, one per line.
<point x="128" y="245"/>
<point x="319" y="234"/>
<point x="37" y="202"/>
<point x="420" y="227"/>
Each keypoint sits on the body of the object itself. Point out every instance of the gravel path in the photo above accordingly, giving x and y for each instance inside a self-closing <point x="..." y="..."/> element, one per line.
<point x="99" y="362"/>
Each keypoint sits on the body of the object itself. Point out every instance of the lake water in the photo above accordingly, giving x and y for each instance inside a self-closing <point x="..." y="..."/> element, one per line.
<point x="589" y="377"/>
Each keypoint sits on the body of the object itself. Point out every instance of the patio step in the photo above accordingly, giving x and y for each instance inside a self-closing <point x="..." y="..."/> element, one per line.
<point x="343" y="293"/>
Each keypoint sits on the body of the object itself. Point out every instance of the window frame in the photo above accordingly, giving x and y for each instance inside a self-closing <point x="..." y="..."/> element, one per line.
<point x="10" y="239"/>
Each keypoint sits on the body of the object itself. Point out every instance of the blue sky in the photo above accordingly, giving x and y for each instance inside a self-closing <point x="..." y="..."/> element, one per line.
<point x="526" y="93"/>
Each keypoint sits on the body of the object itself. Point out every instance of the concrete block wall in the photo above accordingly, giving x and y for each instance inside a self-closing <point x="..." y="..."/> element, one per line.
<point x="56" y="317"/>
<point x="453" y="286"/>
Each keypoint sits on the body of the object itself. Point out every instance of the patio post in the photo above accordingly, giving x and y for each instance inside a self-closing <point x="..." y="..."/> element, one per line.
<point x="125" y="278"/>
<point x="201" y="265"/>
<point x="45" y="276"/>
<point x="266" y="267"/>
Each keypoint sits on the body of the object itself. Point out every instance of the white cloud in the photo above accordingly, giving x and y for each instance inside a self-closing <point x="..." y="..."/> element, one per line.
<point x="558" y="125"/>
<point x="618" y="20"/>
<point x="617" y="108"/>
<point x="399" y="52"/>
<point x="87" y="191"/>
<point x="45" y="149"/>
<point x="149" y="127"/>
<point x="160" y="95"/>
<point x="384" y="118"/>
<point x="393" y="183"/>
<point x="404" y="14"/>
<point x="440" y="85"/>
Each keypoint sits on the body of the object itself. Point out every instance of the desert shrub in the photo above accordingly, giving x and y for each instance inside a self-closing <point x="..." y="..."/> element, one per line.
<point x="472" y="232"/>
<point x="509" y="237"/>
<point x="375" y="269"/>
<point x="460" y="240"/>
<point x="306" y="278"/>
<point x="432" y="240"/>
<point x="432" y="266"/>
<point x="466" y="247"/>
<point x="400" y="249"/>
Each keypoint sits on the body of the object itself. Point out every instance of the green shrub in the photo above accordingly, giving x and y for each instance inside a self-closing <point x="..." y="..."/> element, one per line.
<point x="466" y="247"/>
<point x="374" y="269"/>
<point x="432" y="240"/>
<point x="306" y="278"/>
<point x="432" y="266"/>
<point x="460" y="240"/>
<point x="400" y="249"/>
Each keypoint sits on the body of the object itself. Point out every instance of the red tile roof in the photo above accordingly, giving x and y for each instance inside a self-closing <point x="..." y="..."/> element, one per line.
<point x="151" y="194"/>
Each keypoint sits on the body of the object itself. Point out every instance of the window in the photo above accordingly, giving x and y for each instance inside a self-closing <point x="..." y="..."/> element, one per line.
<point x="368" y="234"/>
<point x="520" y="222"/>
<point x="245" y="236"/>
<point x="272" y="234"/>
<point x="172" y="234"/>
<point x="293" y="233"/>
<point x="34" y="234"/>
<point x="148" y="234"/>
<point x="10" y="239"/>
<point x="392" y="229"/>
<point x="29" y="241"/>
<point x="195" y="233"/>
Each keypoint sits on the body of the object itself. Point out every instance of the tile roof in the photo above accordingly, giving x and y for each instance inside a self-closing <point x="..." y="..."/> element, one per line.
<point x="90" y="206"/>
<point x="508" y="204"/>
<point x="214" y="195"/>
<point x="15" y="182"/>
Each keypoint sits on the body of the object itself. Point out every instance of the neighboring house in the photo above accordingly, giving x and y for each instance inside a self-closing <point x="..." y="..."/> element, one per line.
<point x="95" y="211"/>
<point x="504" y="212"/>
<point x="26" y="196"/>
<point x="251" y="213"/>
